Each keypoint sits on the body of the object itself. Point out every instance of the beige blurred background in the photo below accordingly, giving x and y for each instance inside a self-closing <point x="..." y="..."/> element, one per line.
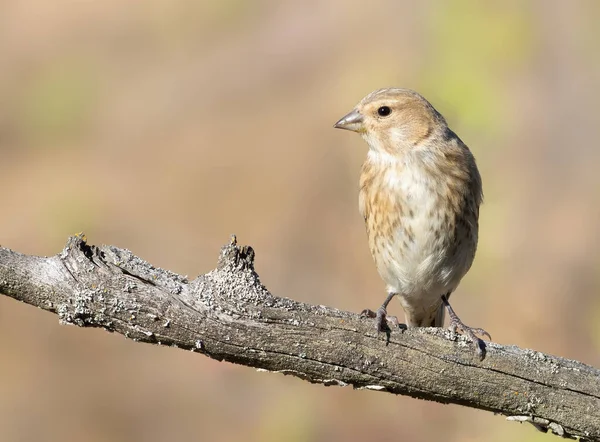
<point x="165" y="126"/>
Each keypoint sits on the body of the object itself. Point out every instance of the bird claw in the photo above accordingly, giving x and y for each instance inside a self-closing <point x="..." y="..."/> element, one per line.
<point x="368" y="313"/>
<point x="382" y="321"/>
<point x="458" y="325"/>
<point x="471" y="333"/>
<point x="482" y="332"/>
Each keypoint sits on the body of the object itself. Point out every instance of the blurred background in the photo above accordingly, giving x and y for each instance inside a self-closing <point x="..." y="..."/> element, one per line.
<point x="165" y="126"/>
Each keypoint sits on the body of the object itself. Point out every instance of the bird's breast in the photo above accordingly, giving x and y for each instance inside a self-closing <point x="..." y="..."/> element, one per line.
<point x="413" y="226"/>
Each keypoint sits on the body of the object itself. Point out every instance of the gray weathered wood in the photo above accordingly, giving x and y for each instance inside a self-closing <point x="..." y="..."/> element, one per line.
<point x="227" y="314"/>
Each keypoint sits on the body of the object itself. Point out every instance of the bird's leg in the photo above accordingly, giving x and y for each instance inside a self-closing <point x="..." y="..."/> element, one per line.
<point x="457" y="324"/>
<point x="381" y="317"/>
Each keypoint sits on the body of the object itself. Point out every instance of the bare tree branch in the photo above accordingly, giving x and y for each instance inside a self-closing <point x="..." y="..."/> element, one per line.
<point x="229" y="315"/>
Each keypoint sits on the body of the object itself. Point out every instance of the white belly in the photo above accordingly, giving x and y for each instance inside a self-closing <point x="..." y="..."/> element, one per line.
<point x="419" y="259"/>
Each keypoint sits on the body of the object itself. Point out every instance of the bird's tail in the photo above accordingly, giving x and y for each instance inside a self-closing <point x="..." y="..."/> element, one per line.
<point x="438" y="320"/>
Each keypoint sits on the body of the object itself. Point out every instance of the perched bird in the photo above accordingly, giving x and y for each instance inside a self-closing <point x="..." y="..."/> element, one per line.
<point x="420" y="192"/>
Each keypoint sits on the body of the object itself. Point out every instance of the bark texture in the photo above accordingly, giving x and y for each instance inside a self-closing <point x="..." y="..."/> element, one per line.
<point x="227" y="314"/>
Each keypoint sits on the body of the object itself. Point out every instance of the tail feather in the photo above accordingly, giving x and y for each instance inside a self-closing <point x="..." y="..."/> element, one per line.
<point x="420" y="317"/>
<point x="438" y="320"/>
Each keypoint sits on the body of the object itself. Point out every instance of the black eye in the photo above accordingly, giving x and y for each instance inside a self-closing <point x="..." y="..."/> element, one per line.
<point x="384" y="111"/>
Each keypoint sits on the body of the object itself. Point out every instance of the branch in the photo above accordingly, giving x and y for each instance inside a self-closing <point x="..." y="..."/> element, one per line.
<point x="228" y="315"/>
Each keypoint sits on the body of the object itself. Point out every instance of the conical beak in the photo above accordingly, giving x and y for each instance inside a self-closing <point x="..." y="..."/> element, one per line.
<point x="353" y="121"/>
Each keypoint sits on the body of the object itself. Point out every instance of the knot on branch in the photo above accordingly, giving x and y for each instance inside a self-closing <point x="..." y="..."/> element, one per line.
<point x="236" y="257"/>
<point x="79" y="253"/>
<point x="78" y="243"/>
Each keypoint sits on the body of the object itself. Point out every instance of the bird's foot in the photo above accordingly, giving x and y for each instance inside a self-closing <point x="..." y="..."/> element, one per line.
<point x="383" y="322"/>
<point x="471" y="332"/>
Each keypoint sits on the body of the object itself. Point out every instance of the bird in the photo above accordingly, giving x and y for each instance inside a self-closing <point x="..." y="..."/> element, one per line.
<point x="420" y="193"/>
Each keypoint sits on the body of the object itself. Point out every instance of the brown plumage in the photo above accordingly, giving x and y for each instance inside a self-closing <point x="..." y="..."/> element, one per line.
<point x="420" y="192"/>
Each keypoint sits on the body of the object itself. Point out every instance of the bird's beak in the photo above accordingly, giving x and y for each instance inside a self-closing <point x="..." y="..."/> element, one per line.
<point x="352" y="121"/>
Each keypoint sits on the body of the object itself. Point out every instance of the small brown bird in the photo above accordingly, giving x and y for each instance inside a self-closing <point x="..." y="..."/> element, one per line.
<point x="420" y="192"/>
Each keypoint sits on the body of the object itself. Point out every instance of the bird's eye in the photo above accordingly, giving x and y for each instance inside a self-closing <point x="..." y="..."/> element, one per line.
<point x="384" y="111"/>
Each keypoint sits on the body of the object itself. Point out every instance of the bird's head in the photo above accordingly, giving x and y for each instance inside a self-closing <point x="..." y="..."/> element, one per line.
<point x="393" y="120"/>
